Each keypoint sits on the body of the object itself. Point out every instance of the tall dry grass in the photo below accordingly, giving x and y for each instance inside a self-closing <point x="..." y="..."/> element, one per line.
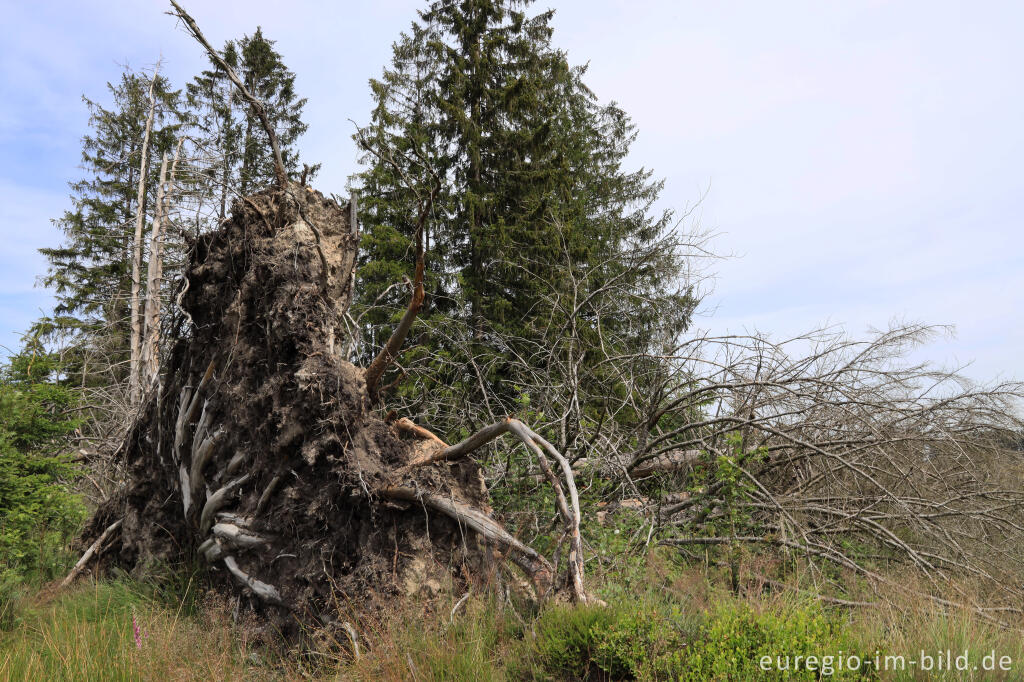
<point x="87" y="634"/>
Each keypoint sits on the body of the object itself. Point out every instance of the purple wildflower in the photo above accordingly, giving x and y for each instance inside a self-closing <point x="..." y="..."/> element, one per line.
<point x="136" y="632"/>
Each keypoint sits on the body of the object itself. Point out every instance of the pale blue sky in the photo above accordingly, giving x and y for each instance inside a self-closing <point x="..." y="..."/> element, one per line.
<point x="863" y="157"/>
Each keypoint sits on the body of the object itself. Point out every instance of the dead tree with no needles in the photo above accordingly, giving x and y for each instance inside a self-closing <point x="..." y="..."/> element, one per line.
<point x="135" y="368"/>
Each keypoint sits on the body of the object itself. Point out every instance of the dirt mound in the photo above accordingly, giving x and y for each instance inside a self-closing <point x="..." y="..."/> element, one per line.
<point x="259" y="452"/>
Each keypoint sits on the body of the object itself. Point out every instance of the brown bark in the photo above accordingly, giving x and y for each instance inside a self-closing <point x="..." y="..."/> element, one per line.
<point x="390" y="350"/>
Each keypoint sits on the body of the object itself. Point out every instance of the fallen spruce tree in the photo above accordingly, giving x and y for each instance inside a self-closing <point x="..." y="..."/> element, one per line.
<point x="260" y="450"/>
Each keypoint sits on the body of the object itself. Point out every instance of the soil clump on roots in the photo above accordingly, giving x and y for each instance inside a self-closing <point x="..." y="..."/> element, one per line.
<point x="258" y="452"/>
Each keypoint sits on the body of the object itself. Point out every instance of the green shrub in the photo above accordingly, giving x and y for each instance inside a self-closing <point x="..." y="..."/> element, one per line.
<point x="37" y="510"/>
<point x="647" y="639"/>
<point x="618" y="642"/>
<point x="12" y="590"/>
<point x="566" y="641"/>
<point x="736" y="637"/>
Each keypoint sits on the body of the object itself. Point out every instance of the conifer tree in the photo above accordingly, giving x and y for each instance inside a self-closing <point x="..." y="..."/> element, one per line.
<point x="91" y="271"/>
<point x="534" y="193"/>
<point x="405" y="152"/>
<point x="37" y="415"/>
<point x="229" y="130"/>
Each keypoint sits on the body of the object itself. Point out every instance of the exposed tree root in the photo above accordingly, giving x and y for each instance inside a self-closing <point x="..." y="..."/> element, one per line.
<point x="281" y="475"/>
<point x="533" y="564"/>
<point x="568" y="508"/>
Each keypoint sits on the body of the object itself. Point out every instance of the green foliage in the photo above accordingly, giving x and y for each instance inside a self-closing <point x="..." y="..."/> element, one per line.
<point x="536" y="230"/>
<point x="610" y="540"/>
<point x="37" y="511"/>
<point x="227" y="126"/>
<point x="723" y="490"/>
<point x="568" y="643"/>
<point x="721" y="481"/>
<point x="597" y="642"/>
<point x="91" y="271"/>
<point x="664" y="624"/>
<point x="98" y="622"/>
<point x="736" y="637"/>
<point x="638" y="639"/>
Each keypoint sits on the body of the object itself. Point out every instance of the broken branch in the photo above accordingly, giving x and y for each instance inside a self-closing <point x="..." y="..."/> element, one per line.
<point x="257" y="106"/>
<point x="390" y="350"/>
<point x="89" y="553"/>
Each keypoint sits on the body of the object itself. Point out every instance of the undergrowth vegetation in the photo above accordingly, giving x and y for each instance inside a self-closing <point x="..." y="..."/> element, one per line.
<point x="716" y="612"/>
<point x="119" y="630"/>
<point x="663" y="621"/>
<point x="38" y="510"/>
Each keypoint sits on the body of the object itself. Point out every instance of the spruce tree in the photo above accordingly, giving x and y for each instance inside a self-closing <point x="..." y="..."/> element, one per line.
<point x="534" y="194"/>
<point x="404" y="152"/>
<point x="462" y="97"/>
<point x="91" y="271"/>
<point x="229" y="131"/>
<point x="37" y="416"/>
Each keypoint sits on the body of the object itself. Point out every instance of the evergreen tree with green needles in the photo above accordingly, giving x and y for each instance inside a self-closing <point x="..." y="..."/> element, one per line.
<point x="534" y="202"/>
<point x="91" y="271"/>
<point x="37" y="508"/>
<point x="230" y="132"/>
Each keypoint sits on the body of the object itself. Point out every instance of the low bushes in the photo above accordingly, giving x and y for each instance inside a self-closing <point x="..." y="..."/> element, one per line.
<point x="639" y="641"/>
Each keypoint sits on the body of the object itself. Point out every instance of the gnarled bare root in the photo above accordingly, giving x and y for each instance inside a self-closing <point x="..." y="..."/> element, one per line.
<point x="267" y="593"/>
<point x="568" y="506"/>
<point x="533" y="564"/>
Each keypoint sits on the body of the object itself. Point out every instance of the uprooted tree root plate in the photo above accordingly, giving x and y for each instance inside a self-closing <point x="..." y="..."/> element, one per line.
<point x="260" y="453"/>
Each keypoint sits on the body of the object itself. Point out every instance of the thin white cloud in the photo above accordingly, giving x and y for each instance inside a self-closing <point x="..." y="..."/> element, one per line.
<point x="863" y="157"/>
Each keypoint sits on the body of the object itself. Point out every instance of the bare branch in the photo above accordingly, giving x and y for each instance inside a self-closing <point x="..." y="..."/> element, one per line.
<point x="89" y="553"/>
<point x="257" y="106"/>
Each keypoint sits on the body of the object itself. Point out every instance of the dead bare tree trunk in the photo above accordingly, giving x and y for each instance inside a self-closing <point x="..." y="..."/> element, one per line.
<point x="96" y="546"/>
<point x="135" y="365"/>
<point x="154" y="275"/>
<point x="151" y="313"/>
